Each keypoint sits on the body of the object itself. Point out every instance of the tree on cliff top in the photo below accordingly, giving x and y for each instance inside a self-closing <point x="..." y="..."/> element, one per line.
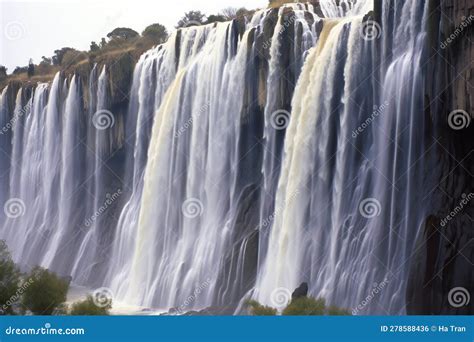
<point x="230" y="12"/>
<point x="215" y="19"/>
<point x="59" y="55"/>
<point x="122" y="33"/>
<point x="192" y="18"/>
<point x="156" y="32"/>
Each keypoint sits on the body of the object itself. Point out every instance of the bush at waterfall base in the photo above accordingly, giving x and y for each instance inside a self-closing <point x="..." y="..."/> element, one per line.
<point x="302" y="306"/>
<point x="305" y="306"/>
<point x="46" y="293"/>
<point x="9" y="280"/>
<point x="87" y="307"/>
<point x="258" y="309"/>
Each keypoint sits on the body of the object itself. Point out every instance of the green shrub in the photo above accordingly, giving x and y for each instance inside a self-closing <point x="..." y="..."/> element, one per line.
<point x="87" y="307"/>
<point x="9" y="280"/>
<point x="335" y="311"/>
<point x="305" y="306"/>
<point x="258" y="309"/>
<point x="156" y="32"/>
<point x="46" y="292"/>
<point x="301" y="306"/>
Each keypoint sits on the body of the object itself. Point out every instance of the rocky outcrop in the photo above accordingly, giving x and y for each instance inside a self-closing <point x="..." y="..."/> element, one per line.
<point x="300" y="291"/>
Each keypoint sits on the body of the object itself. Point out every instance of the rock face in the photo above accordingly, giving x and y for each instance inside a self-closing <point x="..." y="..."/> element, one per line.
<point x="442" y="277"/>
<point x="300" y="291"/>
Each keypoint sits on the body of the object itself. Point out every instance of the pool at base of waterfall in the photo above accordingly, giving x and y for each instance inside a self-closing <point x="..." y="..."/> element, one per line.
<point x="78" y="293"/>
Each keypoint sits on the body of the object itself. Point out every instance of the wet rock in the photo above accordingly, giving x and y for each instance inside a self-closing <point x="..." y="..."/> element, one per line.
<point x="300" y="291"/>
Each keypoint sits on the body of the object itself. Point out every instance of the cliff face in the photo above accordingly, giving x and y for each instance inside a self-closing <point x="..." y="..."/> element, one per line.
<point x="444" y="259"/>
<point x="461" y="52"/>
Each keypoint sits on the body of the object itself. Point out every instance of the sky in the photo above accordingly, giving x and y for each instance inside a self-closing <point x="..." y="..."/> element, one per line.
<point x="35" y="28"/>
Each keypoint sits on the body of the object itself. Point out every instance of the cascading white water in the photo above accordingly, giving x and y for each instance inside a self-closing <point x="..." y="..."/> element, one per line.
<point x="152" y="76"/>
<point x="343" y="8"/>
<point x="5" y="145"/>
<point x="63" y="241"/>
<point x="341" y="226"/>
<point x="217" y="195"/>
<point x="26" y="170"/>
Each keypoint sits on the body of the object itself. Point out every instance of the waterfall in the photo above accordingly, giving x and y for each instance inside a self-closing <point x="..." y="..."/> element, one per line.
<point x="253" y="155"/>
<point x="5" y="145"/>
<point x="350" y="203"/>
<point x="63" y="241"/>
<point x="152" y="76"/>
<point x="25" y="171"/>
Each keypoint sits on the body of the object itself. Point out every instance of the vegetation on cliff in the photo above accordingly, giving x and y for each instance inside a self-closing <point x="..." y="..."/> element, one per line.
<point x="121" y="44"/>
